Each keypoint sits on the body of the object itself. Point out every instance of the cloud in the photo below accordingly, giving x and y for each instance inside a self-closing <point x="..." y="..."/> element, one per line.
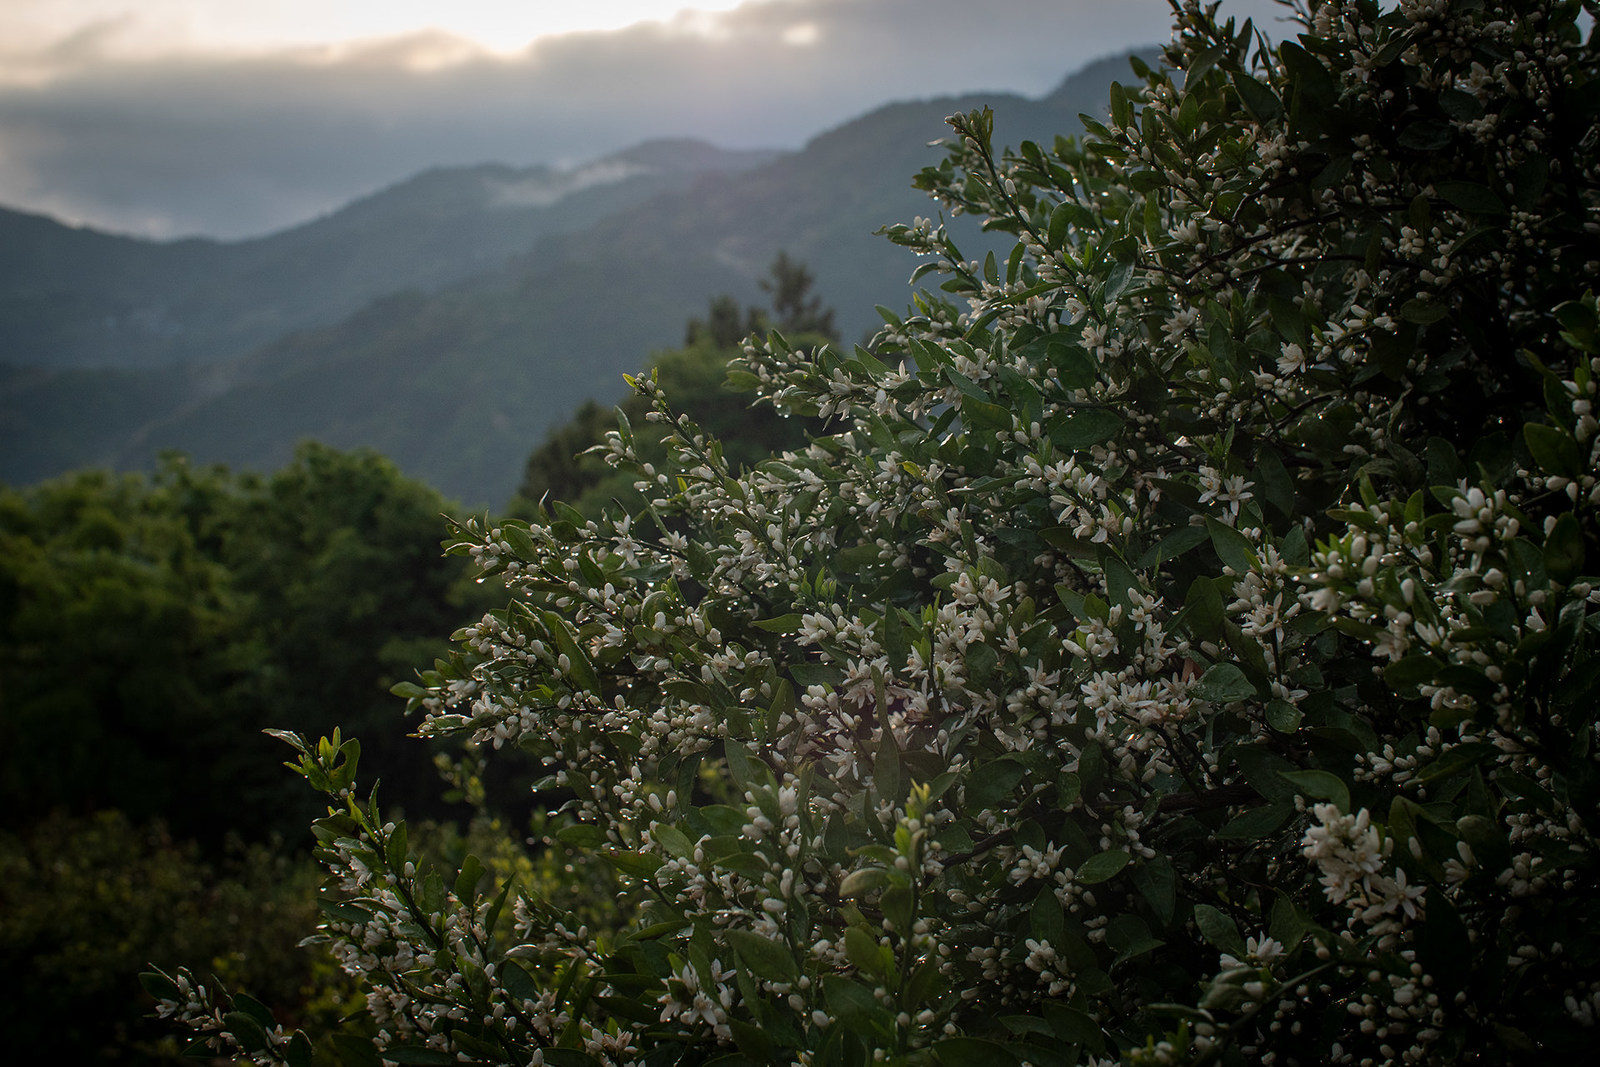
<point x="545" y="187"/>
<point x="243" y="144"/>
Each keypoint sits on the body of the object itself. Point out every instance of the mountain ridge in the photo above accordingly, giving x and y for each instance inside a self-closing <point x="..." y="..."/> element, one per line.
<point x="203" y="300"/>
<point x="458" y="382"/>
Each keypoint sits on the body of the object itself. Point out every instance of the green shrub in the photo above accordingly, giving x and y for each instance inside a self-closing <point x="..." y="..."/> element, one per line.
<point x="1185" y="653"/>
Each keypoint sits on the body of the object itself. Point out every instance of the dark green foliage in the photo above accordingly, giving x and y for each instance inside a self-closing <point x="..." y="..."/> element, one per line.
<point x="150" y="628"/>
<point x="89" y="902"/>
<point x="563" y="468"/>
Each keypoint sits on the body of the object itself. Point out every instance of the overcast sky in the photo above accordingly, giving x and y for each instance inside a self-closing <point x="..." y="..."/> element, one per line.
<point x="231" y="118"/>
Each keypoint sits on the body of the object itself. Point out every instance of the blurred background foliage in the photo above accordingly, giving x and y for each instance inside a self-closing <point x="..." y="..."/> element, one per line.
<point x="694" y="377"/>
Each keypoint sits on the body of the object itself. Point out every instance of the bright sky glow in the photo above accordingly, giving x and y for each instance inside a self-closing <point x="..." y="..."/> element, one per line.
<point x="147" y="27"/>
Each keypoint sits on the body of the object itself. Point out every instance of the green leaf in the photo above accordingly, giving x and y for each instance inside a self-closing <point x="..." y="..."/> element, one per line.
<point x="1293" y="548"/>
<point x="1553" y="449"/>
<point x="1423" y="310"/>
<point x="1224" y="683"/>
<point x="1121" y="110"/>
<point x="1411" y="671"/>
<point x="581" y="835"/>
<point x="1046" y="920"/>
<point x="1425" y="135"/>
<point x="158" y="985"/>
<point x="1101" y="867"/>
<point x="1320" y="785"/>
<point x="672" y="839"/>
<point x="1257" y="823"/>
<point x="863" y="881"/>
<point x="635" y="864"/>
<point x="767" y="959"/>
<point x="1457" y="759"/>
<point x="1129" y="936"/>
<point x="299" y="1051"/>
<point x="854" y="1005"/>
<point x="1444" y="463"/>
<point x="980" y="660"/>
<point x="1563" y="549"/>
<point x="1471" y="197"/>
<point x="992" y="781"/>
<point x="247" y="1030"/>
<point x="863" y="952"/>
<point x="467" y="880"/>
<point x="898" y="905"/>
<point x="624" y="1008"/>
<point x="752" y="1040"/>
<point x="579" y="669"/>
<point x="1311" y="80"/>
<point x="515" y="534"/>
<point x="887" y="778"/>
<point x="1199" y="67"/>
<point x="1461" y="106"/>
<point x="1219" y="930"/>
<point x="1283" y="716"/>
<point x="1121" y="275"/>
<point x="1203" y="608"/>
<point x="1119" y="580"/>
<point x="1083" y="427"/>
<point x="983" y="414"/>
<point x="1529" y="184"/>
<point x="431" y="897"/>
<point x="1233" y="548"/>
<point x="1157" y="881"/>
<point x="1178" y="542"/>
<point x="1290" y="924"/>
<point x="1074" y="367"/>
<point x="809" y="674"/>
<point x="741" y="767"/>
<point x="353" y="1050"/>
<point x="1580" y="322"/>
<point x="395" y="848"/>
<point x="516" y="981"/>
<point x="967" y="1051"/>
<point x="560" y="1057"/>
<point x="1275" y="483"/>
<point x="1257" y="97"/>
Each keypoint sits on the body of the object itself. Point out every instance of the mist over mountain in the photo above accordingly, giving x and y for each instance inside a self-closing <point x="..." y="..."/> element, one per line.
<point x="450" y="320"/>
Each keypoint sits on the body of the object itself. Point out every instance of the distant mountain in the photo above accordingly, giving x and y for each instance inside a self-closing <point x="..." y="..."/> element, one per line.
<point x="457" y="381"/>
<point x="75" y="297"/>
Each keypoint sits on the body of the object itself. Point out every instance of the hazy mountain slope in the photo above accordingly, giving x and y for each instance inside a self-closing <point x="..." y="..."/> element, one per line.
<point x="76" y="298"/>
<point x="52" y="421"/>
<point x="458" y="385"/>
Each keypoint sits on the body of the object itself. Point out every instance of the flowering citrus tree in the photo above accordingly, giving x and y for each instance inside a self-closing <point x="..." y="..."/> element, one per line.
<point x="1182" y="651"/>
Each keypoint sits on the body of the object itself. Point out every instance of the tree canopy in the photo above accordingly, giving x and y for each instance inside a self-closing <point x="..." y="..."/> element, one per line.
<point x="169" y="619"/>
<point x="1182" y="651"/>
